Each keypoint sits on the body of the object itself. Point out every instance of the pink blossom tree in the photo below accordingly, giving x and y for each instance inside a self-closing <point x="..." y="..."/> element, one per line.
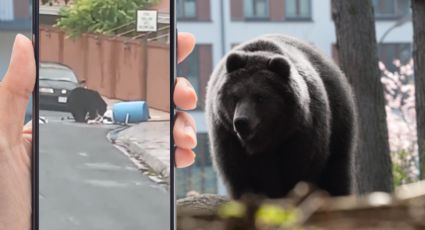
<point x="401" y="119"/>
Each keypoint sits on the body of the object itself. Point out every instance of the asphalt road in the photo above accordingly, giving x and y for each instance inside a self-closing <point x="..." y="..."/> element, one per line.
<point x="88" y="184"/>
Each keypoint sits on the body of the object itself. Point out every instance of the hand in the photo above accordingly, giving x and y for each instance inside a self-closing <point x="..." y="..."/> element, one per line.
<point x="15" y="141"/>
<point x="184" y="98"/>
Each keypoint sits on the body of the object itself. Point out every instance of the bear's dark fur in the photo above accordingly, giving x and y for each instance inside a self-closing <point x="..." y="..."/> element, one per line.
<point x="279" y="112"/>
<point x="83" y="102"/>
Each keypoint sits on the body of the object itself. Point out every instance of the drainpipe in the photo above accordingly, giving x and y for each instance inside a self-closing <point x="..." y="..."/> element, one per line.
<point x="220" y="185"/>
<point x="222" y="28"/>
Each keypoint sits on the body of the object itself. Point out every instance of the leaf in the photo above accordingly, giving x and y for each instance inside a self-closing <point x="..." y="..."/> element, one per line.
<point x="277" y="216"/>
<point x="232" y="209"/>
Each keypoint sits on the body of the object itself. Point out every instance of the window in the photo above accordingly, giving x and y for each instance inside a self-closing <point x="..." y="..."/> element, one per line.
<point x="298" y="9"/>
<point x="388" y="52"/>
<point x="390" y="9"/>
<point x="6" y="10"/>
<point x="186" y="9"/>
<point x="256" y="9"/>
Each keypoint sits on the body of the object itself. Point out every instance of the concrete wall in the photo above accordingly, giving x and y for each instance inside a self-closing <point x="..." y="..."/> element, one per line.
<point x="163" y="6"/>
<point x="158" y="76"/>
<point x="116" y="67"/>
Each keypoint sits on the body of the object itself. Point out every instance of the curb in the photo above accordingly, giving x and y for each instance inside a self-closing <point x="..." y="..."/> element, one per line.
<point x="136" y="151"/>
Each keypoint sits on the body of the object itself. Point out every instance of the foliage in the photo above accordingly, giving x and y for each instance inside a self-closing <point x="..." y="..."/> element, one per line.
<point x="404" y="169"/>
<point x="401" y="118"/>
<point x="266" y="216"/>
<point x="99" y="16"/>
<point x="274" y="215"/>
<point x="53" y="2"/>
<point x="232" y="209"/>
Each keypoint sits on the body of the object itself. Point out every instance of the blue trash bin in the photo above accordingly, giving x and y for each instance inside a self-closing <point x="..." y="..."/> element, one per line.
<point x="130" y="112"/>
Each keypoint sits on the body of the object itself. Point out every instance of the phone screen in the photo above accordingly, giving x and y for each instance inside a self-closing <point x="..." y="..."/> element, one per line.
<point x="104" y="114"/>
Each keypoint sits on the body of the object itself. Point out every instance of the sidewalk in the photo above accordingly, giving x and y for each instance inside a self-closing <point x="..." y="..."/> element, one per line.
<point x="149" y="142"/>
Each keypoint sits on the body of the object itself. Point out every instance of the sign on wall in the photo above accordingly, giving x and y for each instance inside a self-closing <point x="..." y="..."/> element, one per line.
<point x="147" y="21"/>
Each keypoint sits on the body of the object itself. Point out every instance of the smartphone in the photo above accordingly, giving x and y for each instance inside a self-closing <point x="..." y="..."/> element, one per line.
<point x="103" y="101"/>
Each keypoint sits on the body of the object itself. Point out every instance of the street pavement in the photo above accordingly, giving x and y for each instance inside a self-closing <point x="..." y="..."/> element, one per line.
<point x="86" y="183"/>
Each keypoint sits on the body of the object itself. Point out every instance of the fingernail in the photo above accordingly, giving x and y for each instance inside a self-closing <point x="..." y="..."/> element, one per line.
<point x="15" y="43"/>
<point x="190" y="162"/>
<point x="17" y="37"/>
<point x="187" y="82"/>
<point x="190" y="89"/>
<point x="186" y="35"/>
<point x="188" y="129"/>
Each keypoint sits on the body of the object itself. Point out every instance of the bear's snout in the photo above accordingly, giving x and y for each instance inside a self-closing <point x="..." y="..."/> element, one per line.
<point x="244" y="120"/>
<point x="242" y="126"/>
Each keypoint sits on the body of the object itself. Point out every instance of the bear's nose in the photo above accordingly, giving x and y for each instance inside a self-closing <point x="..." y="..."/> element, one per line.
<point x="242" y="126"/>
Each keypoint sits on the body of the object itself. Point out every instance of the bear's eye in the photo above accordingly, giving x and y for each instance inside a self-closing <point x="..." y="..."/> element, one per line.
<point x="233" y="98"/>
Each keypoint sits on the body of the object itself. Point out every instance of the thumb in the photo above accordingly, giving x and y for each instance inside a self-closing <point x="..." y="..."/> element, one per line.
<point x="16" y="88"/>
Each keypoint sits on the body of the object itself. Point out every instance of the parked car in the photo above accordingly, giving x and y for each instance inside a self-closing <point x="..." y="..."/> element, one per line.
<point x="55" y="83"/>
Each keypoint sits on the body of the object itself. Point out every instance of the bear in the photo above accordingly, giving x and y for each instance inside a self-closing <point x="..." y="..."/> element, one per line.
<point x="279" y="112"/>
<point x="86" y="104"/>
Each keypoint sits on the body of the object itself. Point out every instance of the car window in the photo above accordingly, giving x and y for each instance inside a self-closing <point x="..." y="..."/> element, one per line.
<point x="57" y="74"/>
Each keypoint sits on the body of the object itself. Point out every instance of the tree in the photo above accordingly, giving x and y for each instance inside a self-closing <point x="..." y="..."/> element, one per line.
<point x="399" y="92"/>
<point x="51" y="2"/>
<point x="358" y="58"/>
<point x="418" y="9"/>
<point x="99" y="16"/>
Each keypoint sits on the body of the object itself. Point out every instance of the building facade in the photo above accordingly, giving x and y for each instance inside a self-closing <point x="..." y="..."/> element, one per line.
<point x="15" y="16"/>
<point x="221" y="24"/>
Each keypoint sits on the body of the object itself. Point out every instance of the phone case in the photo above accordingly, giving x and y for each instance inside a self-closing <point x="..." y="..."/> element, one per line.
<point x="104" y="103"/>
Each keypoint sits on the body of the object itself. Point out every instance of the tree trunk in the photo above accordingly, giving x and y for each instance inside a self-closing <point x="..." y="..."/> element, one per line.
<point x="358" y="58"/>
<point x="418" y="8"/>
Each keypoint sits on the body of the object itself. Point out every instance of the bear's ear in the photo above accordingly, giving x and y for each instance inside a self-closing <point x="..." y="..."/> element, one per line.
<point x="235" y="61"/>
<point x="280" y="66"/>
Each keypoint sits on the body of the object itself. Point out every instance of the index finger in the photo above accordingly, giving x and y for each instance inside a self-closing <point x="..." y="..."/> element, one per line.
<point x="186" y="43"/>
